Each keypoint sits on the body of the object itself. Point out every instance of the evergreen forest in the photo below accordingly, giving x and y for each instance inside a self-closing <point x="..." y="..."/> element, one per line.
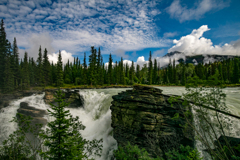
<point x="20" y="74"/>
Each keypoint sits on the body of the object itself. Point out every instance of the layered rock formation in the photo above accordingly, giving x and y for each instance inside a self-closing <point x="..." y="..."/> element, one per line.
<point x="36" y="114"/>
<point x="143" y="116"/>
<point x="72" y="97"/>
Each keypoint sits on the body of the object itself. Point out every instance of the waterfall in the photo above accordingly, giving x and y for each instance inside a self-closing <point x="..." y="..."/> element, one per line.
<point x="95" y="115"/>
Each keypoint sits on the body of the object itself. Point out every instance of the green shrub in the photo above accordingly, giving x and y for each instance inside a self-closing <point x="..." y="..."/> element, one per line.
<point x="184" y="153"/>
<point x="130" y="152"/>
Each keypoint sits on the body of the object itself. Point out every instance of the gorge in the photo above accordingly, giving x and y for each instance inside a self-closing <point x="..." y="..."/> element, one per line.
<point x="96" y="114"/>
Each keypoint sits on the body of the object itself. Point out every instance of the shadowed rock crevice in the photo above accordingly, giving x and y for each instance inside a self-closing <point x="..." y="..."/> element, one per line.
<point x="143" y="116"/>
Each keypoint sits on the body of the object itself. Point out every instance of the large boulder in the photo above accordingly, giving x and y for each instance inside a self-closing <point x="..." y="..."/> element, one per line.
<point x="72" y="97"/>
<point x="143" y="117"/>
<point x="36" y="114"/>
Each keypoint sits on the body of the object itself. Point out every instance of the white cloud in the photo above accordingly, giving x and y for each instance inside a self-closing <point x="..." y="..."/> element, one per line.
<point x="65" y="57"/>
<point x="184" y="14"/>
<point x="195" y="43"/>
<point x="81" y="24"/>
<point x="158" y="53"/>
<point x="169" y="34"/>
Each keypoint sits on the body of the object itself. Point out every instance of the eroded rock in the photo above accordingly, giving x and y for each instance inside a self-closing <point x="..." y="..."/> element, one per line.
<point x="143" y="116"/>
<point x="36" y="114"/>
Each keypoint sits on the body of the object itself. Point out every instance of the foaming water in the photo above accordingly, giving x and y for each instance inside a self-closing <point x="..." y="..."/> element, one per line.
<point x="96" y="115"/>
<point x="7" y="114"/>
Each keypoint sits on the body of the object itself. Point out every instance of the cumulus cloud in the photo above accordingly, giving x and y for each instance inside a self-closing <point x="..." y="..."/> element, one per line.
<point x="195" y="44"/>
<point x="65" y="57"/>
<point x="176" y="10"/>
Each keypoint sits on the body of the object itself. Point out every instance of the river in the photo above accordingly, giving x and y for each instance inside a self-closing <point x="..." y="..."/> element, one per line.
<point x="96" y="115"/>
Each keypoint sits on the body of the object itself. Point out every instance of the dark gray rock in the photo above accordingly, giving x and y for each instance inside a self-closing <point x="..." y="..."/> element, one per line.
<point x="143" y="117"/>
<point x="72" y="97"/>
<point x="34" y="113"/>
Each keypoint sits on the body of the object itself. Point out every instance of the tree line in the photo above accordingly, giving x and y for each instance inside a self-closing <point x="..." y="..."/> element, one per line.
<point x="18" y="74"/>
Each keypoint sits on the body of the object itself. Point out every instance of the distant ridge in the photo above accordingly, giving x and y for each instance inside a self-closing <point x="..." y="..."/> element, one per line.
<point x="205" y="58"/>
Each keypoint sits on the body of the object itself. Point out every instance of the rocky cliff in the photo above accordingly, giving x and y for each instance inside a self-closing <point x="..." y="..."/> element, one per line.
<point x="143" y="116"/>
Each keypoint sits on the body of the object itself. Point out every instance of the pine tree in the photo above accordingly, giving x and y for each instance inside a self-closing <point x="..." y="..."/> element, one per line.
<point x="132" y="73"/>
<point x="138" y="72"/>
<point x="63" y="137"/>
<point x="40" y="77"/>
<point x="236" y="70"/>
<point x="3" y="54"/>
<point x="122" y="77"/>
<point x="154" y="81"/>
<point x="16" y="68"/>
<point x="170" y="71"/>
<point x="46" y="68"/>
<point x="110" y="72"/>
<point x="183" y="76"/>
<point x="32" y="68"/>
<point x="59" y="70"/>
<point x="99" y="68"/>
<point x="8" y="79"/>
<point x="150" y="68"/>
<point x="175" y="80"/>
<point x="25" y="78"/>
<point x="92" y="66"/>
<point x="84" y="78"/>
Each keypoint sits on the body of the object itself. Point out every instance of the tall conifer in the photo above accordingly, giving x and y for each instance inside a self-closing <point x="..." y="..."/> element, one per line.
<point x="59" y="70"/>
<point x="150" y="69"/>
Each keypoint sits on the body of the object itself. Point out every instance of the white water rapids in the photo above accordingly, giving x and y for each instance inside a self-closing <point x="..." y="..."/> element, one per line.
<point x="96" y="115"/>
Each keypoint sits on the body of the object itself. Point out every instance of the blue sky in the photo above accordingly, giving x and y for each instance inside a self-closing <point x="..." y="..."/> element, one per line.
<point x="125" y="28"/>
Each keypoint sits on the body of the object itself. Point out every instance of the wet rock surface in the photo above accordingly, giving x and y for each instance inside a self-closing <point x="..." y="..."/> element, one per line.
<point x="143" y="116"/>
<point x="71" y="96"/>
<point x="36" y="114"/>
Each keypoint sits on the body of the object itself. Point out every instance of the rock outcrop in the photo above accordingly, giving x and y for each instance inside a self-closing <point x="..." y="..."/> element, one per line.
<point x="143" y="117"/>
<point x="34" y="113"/>
<point x="72" y="97"/>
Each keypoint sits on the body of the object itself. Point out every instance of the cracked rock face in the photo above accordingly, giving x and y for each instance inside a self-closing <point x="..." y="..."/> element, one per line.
<point x="143" y="116"/>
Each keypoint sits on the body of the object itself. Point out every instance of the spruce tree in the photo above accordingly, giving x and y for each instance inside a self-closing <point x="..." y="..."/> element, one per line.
<point x="154" y="81"/>
<point x="8" y="79"/>
<point x="40" y="77"/>
<point x="236" y="70"/>
<point x="150" y="68"/>
<point x="16" y="68"/>
<point x="122" y="77"/>
<point x="92" y="66"/>
<point x="99" y="68"/>
<point x="138" y="72"/>
<point x="183" y="76"/>
<point x="110" y="72"/>
<point x="25" y="77"/>
<point x="59" y="70"/>
<point x="63" y="137"/>
<point x="46" y="68"/>
<point x="3" y="54"/>
<point x="132" y="74"/>
<point x="84" y="78"/>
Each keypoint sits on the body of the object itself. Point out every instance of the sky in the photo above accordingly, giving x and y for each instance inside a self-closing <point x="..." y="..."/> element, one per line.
<point x="124" y="28"/>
